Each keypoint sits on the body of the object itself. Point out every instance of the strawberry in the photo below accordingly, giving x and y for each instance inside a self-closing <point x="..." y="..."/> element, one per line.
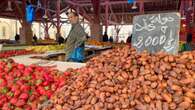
<point x="45" y="83"/>
<point x="13" y="101"/>
<point x="66" y="73"/>
<point x="21" y="66"/>
<point x="23" y="96"/>
<point x="3" y="82"/>
<point x="20" y="103"/>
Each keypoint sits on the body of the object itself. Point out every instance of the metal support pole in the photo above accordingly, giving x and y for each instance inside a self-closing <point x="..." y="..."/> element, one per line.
<point x="16" y="27"/>
<point x="141" y="8"/>
<point x="46" y="30"/>
<point x="106" y="15"/>
<point x="193" y="3"/>
<point x="58" y="17"/>
<point x="188" y="11"/>
<point x="39" y="30"/>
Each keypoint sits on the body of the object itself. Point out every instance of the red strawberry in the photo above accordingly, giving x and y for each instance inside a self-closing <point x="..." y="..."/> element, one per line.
<point x="1" y="103"/>
<point x="25" y="88"/>
<point x="10" y="95"/>
<point x="45" y="83"/>
<point x="49" y="93"/>
<point x="66" y="73"/>
<point x="21" y="66"/>
<point x="15" y="87"/>
<point x="6" y="106"/>
<point x="32" y="97"/>
<point x="23" y="96"/>
<point x="13" y="101"/>
<point x="20" y="103"/>
<point x="41" y="90"/>
<point x="38" y="82"/>
<point x="3" y="82"/>
<point x="27" y="107"/>
<point x="16" y="93"/>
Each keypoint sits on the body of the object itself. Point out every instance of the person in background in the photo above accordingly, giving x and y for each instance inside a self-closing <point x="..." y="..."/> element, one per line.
<point x="128" y="41"/>
<point x="74" y="46"/>
<point x="87" y="36"/>
<point x="35" y="38"/>
<point x="111" y="39"/>
<point x="188" y="45"/>
<point x="105" y="37"/>
<point x="17" y="38"/>
<point x="60" y="40"/>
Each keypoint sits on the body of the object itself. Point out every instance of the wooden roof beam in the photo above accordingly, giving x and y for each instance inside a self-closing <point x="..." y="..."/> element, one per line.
<point x="110" y="2"/>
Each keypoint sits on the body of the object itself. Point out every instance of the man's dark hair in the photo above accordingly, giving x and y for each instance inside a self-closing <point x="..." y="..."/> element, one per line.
<point x="27" y="2"/>
<point x="74" y="13"/>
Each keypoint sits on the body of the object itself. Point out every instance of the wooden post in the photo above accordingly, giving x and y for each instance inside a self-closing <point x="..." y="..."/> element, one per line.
<point x="46" y="30"/>
<point x="26" y="33"/>
<point x="96" y="28"/>
<point x="106" y="16"/>
<point x="58" y="18"/>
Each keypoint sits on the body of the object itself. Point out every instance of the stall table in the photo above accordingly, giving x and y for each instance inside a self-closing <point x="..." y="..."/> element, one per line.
<point x="62" y="66"/>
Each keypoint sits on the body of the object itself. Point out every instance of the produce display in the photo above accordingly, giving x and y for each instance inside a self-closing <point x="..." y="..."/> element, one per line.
<point x="121" y="79"/>
<point x="46" y="48"/>
<point x="23" y="87"/>
<point x="46" y="41"/>
<point x="11" y="53"/>
<point x="97" y="43"/>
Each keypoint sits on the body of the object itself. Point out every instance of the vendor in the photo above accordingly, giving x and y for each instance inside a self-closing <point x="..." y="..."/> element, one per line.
<point x="111" y="39"/>
<point x="17" y="38"/>
<point x="60" y="39"/>
<point x="105" y="37"/>
<point x="35" y="39"/>
<point x="128" y="41"/>
<point x="74" y="46"/>
<point x="188" y="46"/>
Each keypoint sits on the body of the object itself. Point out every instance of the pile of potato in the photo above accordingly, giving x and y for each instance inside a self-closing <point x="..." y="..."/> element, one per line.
<point x="121" y="79"/>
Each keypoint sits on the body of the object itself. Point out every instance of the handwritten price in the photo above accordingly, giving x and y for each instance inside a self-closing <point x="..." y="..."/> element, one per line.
<point x="156" y="32"/>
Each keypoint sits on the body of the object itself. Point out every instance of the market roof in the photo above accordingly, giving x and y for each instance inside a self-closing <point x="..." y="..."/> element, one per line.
<point x="119" y="10"/>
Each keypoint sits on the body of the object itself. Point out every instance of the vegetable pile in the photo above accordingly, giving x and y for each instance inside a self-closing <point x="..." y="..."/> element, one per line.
<point x="23" y="87"/>
<point x="121" y="79"/>
<point x="11" y="53"/>
<point x="45" y="48"/>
